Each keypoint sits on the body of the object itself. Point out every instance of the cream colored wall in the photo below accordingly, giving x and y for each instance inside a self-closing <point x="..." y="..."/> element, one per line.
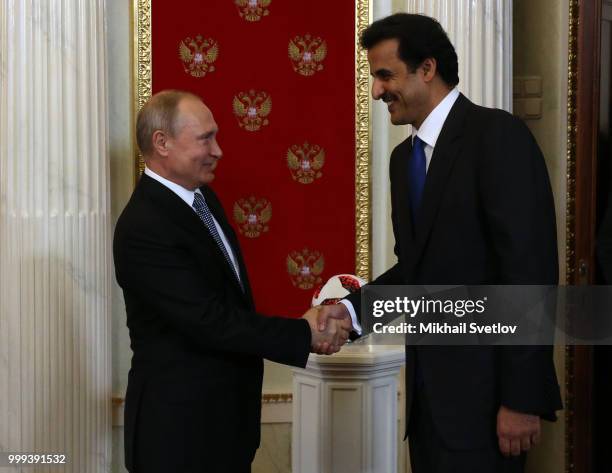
<point x="274" y="453"/>
<point x="122" y="183"/>
<point x="540" y="49"/>
<point x="121" y="158"/>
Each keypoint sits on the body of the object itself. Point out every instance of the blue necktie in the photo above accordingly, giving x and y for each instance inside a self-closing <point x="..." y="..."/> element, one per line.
<point x="201" y="208"/>
<point x="417" y="170"/>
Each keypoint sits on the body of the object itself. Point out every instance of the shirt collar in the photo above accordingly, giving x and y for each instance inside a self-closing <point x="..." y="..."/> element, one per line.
<point x="432" y="126"/>
<point x="185" y="194"/>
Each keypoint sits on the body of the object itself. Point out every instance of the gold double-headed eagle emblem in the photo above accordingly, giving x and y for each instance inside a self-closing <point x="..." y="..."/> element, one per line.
<point x="198" y="55"/>
<point x="251" y="109"/>
<point x="252" y="216"/>
<point x="305" y="267"/>
<point x="305" y="162"/>
<point x="253" y="10"/>
<point x="307" y="53"/>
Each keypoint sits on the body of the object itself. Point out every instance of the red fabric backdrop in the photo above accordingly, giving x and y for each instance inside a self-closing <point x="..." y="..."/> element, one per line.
<point x="318" y="217"/>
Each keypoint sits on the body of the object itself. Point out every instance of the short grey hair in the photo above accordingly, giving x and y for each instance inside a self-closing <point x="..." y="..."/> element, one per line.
<point x="159" y="113"/>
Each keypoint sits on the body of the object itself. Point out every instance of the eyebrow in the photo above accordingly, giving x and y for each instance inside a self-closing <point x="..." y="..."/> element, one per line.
<point x="208" y="134"/>
<point x="381" y="72"/>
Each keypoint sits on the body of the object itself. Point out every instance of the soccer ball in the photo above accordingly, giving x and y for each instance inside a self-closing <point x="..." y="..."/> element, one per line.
<point x="337" y="287"/>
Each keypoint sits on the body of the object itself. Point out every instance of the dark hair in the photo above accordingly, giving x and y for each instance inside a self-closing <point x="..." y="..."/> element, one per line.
<point x="420" y="37"/>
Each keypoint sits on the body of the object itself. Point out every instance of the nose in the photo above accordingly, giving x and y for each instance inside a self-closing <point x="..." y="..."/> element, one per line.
<point x="377" y="89"/>
<point x="216" y="151"/>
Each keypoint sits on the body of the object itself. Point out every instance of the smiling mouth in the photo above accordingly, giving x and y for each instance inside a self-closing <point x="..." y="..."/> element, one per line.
<point x="388" y="98"/>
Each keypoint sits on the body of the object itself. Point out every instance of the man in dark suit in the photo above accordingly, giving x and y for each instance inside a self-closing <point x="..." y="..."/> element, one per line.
<point x="471" y="204"/>
<point x="193" y="399"/>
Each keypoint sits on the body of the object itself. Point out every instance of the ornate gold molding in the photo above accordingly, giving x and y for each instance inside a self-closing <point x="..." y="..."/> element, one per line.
<point x="570" y="219"/>
<point x="277" y="398"/>
<point x="571" y="141"/>
<point x="282" y="398"/>
<point x="363" y="237"/>
<point x="142" y="62"/>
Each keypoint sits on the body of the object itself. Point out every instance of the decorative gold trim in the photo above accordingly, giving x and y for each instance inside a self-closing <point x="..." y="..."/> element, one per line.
<point x="276" y="398"/>
<point x="283" y="398"/>
<point x="142" y="61"/>
<point x="570" y="218"/>
<point x="570" y="237"/>
<point x="363" y="240"/>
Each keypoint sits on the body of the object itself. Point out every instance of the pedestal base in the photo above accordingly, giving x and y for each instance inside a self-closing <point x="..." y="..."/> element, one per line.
<point x="345" y="411"/>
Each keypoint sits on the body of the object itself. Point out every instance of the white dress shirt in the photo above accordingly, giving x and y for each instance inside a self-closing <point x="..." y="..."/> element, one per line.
<point x="188" y="196"/>
<point x="428" y="133"/>
<point x="432" y="126"/>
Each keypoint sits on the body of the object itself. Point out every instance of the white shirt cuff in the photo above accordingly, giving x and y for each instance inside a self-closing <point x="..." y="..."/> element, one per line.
<point x="356" y="327"/>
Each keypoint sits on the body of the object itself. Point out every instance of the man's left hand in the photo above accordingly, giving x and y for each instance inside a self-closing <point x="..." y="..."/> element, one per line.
<point x="516" y="431"/>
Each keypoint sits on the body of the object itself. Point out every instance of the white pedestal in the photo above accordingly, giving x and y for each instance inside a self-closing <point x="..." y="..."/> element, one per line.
<point x="345" y="411"/>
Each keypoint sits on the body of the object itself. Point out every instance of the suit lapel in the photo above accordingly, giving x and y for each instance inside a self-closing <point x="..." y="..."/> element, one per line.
<point x="219" y="214"/>
<point x="401" y="205"/>
<point x="185" y="217"/>
<point x="446" y="150"/>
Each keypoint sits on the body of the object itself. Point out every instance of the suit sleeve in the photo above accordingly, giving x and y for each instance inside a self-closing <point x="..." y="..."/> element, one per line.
<point x="165" y="276"/>
<point x="519" y="216"/>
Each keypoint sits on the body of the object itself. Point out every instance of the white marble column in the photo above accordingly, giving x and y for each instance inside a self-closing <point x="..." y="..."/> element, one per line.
<point x="384" y="137"/>
<point x="55" y="380"/>
<point x="481" y="31"/>
<point x="345" y="411"/>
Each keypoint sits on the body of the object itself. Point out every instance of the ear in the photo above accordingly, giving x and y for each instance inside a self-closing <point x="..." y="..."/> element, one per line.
<point x="430" y="68"/>
<point x="160" y="142"/>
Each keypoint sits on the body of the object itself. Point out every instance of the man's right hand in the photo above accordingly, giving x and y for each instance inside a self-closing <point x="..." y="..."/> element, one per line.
<point x="331" y="338"/>
<point x="333" y="311"/>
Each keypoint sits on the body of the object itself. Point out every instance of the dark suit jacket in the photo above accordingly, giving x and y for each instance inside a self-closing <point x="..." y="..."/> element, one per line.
<point x="193" y="400"/>
<point x="487" y="217"/>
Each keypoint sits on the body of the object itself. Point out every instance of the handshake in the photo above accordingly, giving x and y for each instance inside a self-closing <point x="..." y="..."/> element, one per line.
<point x="330" y="326"/>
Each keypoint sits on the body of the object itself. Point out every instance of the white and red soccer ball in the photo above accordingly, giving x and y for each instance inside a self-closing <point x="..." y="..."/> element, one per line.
<point x="337" y="287"/>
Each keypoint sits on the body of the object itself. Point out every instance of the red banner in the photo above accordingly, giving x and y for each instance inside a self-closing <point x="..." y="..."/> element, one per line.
<point x="279" y="77"/>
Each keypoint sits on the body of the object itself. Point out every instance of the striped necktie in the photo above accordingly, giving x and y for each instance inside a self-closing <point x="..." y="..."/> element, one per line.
<point x="201" y="208"/>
